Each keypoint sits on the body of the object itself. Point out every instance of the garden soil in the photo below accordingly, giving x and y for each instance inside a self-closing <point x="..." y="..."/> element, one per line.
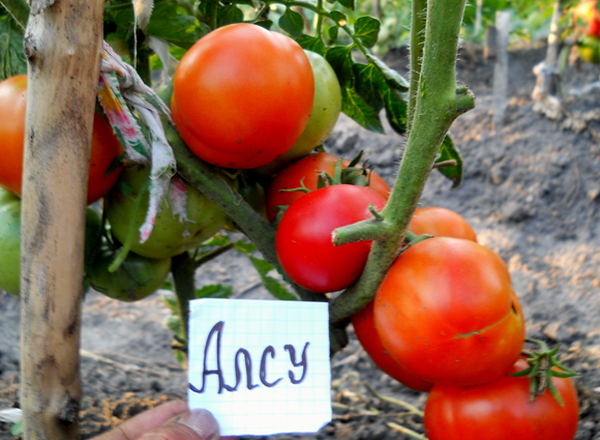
<point x="531" y="191"/>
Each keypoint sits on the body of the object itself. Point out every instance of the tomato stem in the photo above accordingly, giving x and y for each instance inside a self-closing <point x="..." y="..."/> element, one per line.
<point x="437" y="104"/>
<point x="183" y="268"/>
<point x="322" y="12"/>
<point x="417" y="38"/>
<point x="206" y="180"/>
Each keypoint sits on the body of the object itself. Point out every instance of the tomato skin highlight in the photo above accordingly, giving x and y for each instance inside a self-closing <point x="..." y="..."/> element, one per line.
<point x="501" y="410"/>
<point x="455" y="322"/>
<point x="308" y="168"/>
<point x="242" y="105"/>
<point x="303" y="239"/>
<point x="105" y="145"/>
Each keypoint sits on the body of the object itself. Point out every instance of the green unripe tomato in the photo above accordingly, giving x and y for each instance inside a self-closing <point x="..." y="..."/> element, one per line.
<point x="327" y="106"/>
<point x="589" y="49"/>
<point x="170" y="236"/>
<point x="10" y="240"/>
<point x="135" y="279"/>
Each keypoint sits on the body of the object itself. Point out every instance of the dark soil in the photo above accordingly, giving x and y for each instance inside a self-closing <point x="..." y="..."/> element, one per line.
<point x="531" y="192"/>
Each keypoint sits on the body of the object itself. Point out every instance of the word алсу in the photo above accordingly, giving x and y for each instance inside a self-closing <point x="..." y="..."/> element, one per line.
<point x="268" y="351"/>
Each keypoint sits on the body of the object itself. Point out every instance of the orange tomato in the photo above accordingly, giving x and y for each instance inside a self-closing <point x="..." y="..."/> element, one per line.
<point x="105" y="145"/>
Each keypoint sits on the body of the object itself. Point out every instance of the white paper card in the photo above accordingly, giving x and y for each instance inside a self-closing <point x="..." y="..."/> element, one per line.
<point x="284" y="345"/>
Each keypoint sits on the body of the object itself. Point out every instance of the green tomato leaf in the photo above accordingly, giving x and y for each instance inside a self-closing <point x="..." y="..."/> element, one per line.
<point x="359" y="110"/>
<point x="366" y="29"/>
<point x="368" y="81"/>
<point x="17" y="428"/>
<point x="230" y="14"/>
<point x="292" y="22"/>
<point x="169" y="22"/>
<point x="394" y="79"/>
<point x="449" y="151"/>
<point x="217" y="240"/>
<point x="338" y="17"/>
<point x="12" y="58"/>
<point x="171" y="302"/>
<point x="214" y="291"/>
<point x="314" y="44"/>
<point x="333" y="33"/>
<point x="340" y="59"/>
<point x="395" y="109"/>
<point x="244" y="248"/>
<point x="173" y="323"/>
<point x="274" y="287"/>
<point x="267" y="24"/>
<point x="350" y="4"/>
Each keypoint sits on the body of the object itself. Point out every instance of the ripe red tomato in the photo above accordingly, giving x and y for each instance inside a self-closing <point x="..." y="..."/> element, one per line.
<point x="242" y="96"/>
<point x="433" y="221"/>
<point x="105" y="145"/>
<point x="446" y="311"/>
<point x="366" y="332"/>
<point x="587" y="18"/>
<point x="308" y="169"/>
<point x="441" y="222"/>
<point x="303" y="240"/>
<point x="501" y="410"/>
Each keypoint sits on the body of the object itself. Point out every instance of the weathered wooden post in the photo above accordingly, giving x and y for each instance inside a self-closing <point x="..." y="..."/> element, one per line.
<point x="62" y="45"/>
<point x="501" y="68"/>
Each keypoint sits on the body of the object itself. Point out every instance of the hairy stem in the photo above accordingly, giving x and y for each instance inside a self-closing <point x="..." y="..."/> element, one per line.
<point x="438" y="104"/>
<point x="417" y="44"/>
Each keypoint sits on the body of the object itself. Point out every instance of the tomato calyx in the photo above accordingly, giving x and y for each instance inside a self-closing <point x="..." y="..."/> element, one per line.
<point x="543" y="365"/>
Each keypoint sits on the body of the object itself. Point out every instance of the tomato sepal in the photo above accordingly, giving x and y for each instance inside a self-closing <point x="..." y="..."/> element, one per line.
<point x="543" y="366"/>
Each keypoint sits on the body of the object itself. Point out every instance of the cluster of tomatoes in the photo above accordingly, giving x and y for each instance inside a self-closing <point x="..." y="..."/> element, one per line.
<point x="446" y="320"/>
<point x="587" y="23"/>
<point x="243" y="98"/>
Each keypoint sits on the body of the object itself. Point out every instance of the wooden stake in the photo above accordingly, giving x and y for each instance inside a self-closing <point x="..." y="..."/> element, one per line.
<point x="62" y="45"/>
<point x="501" y="68"/>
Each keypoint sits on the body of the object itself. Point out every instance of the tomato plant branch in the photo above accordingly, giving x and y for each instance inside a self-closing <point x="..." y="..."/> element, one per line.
<point x="322" y="12"/>
<point x="19" y="9"/>
<point x="209" y="256"/>
<point x="438" y="104"/>
<point x="207" y="181"/>
<point x="183" y="268"/>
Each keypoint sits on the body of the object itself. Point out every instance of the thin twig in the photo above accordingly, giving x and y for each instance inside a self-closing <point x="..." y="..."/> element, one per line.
<point x="407" y="431"/>
<point x="403" y="404"/>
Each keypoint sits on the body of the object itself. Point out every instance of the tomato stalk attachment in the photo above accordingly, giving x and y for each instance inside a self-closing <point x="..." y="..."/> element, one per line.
<point x="543" y="366"/>
<point x="435" y="102"/>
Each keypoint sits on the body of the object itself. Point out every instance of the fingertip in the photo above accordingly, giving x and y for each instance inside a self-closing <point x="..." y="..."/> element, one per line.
<point x="202" y="422"/>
